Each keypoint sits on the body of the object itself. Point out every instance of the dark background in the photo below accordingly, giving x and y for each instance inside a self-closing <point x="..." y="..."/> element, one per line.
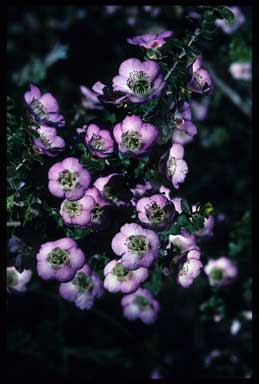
<point x="48" y="336"/>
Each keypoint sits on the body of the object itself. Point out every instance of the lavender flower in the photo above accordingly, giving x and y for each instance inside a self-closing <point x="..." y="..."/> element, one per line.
<point x="199" y="80"/>
<point x="83" y="289"/>
<point x="99" y="141"/>
<point x="155" y="212"/>
<point x="183" y="242"/>
<point x="184" y="130"/>
<point x="68" y="179"/>
<point x="112" y="189"/>
<point x="140" y="82"/>
<point x="44" y="108"/>
<point x="140" y="304"/>
<point x="200" y="109"/>
<point x="16" y="281"/>
<point x="48" y="142"/>
<point x="190" y="269"/>
<point x="77" y="212"/>
<point x="241" y="71"/>
<point x="134" y="137"/>
<point x="90" y="98"/>
<point x="221" y="272"/>
<point x="118" y="279"/>
<point x="138" y="247"/>
<point x="176" y="167"/>
<point x="140" y="189"/>
<point x="59" y="260"/>
<point x="228" y="27"/>
<point x="150" y="40"/>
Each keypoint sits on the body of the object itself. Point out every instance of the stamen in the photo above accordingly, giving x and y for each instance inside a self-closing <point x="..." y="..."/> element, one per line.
<point x="67" y="179"/>
<point x="139" y="82"/>
<point x="58" y="257"/>
<point x="131" y="140"/>
<point x="138" y="244"/>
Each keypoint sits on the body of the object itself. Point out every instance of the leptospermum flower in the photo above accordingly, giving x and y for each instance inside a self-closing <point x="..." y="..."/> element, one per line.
<point x="83" y="289"/>
<point x="16" y="281"/>
<point x="99" y="214"/>
<point x="190" y="269"/>
<point x="207" y="230"/>
<point x="155" y="212"/>
<point x="140" y="189"/>
<point x="183" y="242"/>
<point x="139" y="81"/>
<point x="199" y="80"/>
<point x="241" y="71"/>
<point x="228" y="27"/>
<point x="200" y="108"/>
<point x="90" y="98"/>
<point x="59" y="260"/>
<point x="48" y="142"/>
<point x="119" y="279"/>
<point x="140" y="304"/>
<point x="221" y="272"/>
<point x="176" y="167"/>
<point x="68" y="179"/>
<point x="99" y="141"/>
<point x="134" y="137"/>
<point x="44" y="108"/>
<point x="112" y="189"/>
<point x="184" y="130"/>
<point x="150" y="40"/>
<point x="137" y="246"/>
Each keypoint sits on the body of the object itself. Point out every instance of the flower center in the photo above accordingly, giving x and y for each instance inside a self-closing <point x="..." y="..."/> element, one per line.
<point x="44" y="140"/>
<point x="120" y="272"/>
<point x="142" y="302"/>
<point x="171" y="166"/>
<point x="96" y="214"/>
<point x="58" y="257"/>
<point x="109" y="194"/>
<point x="72" y="208"/>
<point x="155" y="213"/>
<point x="216" y="274"/>
<point x="11" y="278"/>
<point x="139" y="82"/>
<point x="131" y="140"/>
<point x="179" y="121"/>
<point x="97" y="142"/>
<point x="67" y="179"/>
<point x="39" y="109"/>
<point x="82" y="281"/>
<point x="138" y="244"/>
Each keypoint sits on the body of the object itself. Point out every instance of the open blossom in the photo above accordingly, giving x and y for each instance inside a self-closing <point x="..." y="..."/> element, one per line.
<point x="137" y="246"/>
<point x="155" y="212"/>
<point x="221" y="272"/>
<point x="90" y="98"/>
<point x="83" y="289"/>
<point x="150" y="40"/>
<point x="190" y="269"/>
<point x="176" y="167"/>
<point x="48" y="142"/>
<point x="119" y="279"/>
<point x="112" y="189"/>
<point x="183" y="242"/>
<point x="16" y="281"/>
<point x="241" y="71"/>
<point x="99" y="141"/>
<point x="59" y="260"/>
<point x="139" y="81"/>
<point x="184" y="130"/>
<point x="228" y="27"/>
<point x="140" y="304"/>
<point x="134" y="137"/>
<point x="68" y="179"/>
<point x="44" y="108"/>
<point x="199" y="80"/>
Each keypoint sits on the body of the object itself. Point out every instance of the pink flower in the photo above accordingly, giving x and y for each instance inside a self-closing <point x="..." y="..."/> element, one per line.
<point x="199" y="80"/>
<point x="90" y="98"/>
<point x="221" y="272"/>
<point x="99" y="141"/>
<point x="241" y="71"/>
<point x="150" y="40"/>
<point x="176" y="167"/>
<point x="16" y="281"/>
<point x="190" y="269"/>
<point x="48" y="142"/>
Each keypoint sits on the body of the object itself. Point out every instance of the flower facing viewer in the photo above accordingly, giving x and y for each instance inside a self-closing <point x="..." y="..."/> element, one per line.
<point x="221" y="272"/>
<point x="99" y="141"/>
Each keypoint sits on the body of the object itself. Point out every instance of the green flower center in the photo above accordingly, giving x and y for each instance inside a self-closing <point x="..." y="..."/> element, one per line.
<point x="139" y="82"/>
<point x="82" y="281"/>
<point x="97" y="142"/>
<point x="11" y="278"/>
<point x="72" y="208"/>
<point x="43" y="139"/>
<point x="109" y="194"/>
<point x="131" y="140"/>
<point x="171" y="166"/>
<point x="138" y="244"/>
<point x="67" y="179"/>
<point x="96" y="214"/>
<point x="39" y="109"/>
<point x="216" y="274"/>
<point x="155" y="213"/>
<point x="120" y="272"/>
<point x="58" y="257"/>
<point x="142" y="302"/>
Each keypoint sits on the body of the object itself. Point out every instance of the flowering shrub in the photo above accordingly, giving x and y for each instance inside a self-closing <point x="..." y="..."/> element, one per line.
<point x="108" y="196"/>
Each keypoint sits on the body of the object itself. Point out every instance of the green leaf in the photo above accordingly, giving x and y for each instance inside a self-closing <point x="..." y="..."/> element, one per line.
<point x="198" y="221"/>
<point x="226" y="14"/>
<point x="185" y="207"/>
<point x="182" y="220"/>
